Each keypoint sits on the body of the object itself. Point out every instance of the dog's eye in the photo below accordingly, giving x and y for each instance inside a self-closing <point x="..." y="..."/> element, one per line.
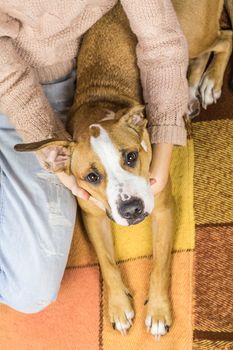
<point x="93" y="177"/>
<point x="131" y="158"/>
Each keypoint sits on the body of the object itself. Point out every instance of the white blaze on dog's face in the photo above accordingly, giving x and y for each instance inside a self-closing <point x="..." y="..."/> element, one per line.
<point x="110" y="160"/>
<point x="128" y="194"/>
<point x="119" y="157"/>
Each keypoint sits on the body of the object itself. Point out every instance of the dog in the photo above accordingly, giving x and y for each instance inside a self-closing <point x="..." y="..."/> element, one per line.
<point x="210" y="48"/>
<point x="110" y="153"/>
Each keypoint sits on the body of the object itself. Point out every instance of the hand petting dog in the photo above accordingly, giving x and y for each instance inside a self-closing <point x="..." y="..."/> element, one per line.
<point x="47" y="158"/>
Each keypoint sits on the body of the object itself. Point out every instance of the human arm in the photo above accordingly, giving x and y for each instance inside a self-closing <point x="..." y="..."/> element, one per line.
<point x="162" y="57"/>
<point x="22" y="99"/>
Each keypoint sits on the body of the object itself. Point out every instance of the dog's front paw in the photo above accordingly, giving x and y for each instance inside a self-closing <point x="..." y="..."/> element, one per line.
<point x="158" y="320"/>
<point x="194" y="108"/>
<point x="120" y="310"/>
<point x="210" y="90"/>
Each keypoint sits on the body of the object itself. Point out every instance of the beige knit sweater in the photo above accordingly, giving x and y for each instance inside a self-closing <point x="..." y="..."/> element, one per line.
<point x="39" y="40"/>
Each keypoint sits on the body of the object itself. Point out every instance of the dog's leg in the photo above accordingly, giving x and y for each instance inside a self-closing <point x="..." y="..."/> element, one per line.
<point x="119" y="306"/>
<point x="196" y="69"/>
<point x="229" y="7"/>
<point x="158" y="318"/>
<point x="212" y="80"/>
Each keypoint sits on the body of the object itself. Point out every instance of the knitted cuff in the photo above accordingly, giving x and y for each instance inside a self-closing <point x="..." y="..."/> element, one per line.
<point x="172" y="134"/>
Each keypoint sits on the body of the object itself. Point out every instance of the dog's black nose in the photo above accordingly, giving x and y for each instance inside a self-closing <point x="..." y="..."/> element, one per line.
<point x="132" y="209"/>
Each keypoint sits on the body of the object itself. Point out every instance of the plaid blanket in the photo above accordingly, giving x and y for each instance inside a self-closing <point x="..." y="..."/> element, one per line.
<point x="213" y="203"/>
<point x="201" y="285"/>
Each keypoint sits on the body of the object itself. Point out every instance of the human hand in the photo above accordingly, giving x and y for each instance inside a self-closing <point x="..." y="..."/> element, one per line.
<point x="55" y="158"/>
<point x="160" y="165"/>
<point x="70" y="182"/>
<point x="157" y="184"/>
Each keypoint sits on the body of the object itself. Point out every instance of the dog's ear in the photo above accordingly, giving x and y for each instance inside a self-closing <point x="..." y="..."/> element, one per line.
<point x="54" y="154"/>
<point x="135" y="118"/>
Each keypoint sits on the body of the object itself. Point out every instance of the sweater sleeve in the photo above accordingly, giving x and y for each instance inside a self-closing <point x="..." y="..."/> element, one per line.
<point x="162" y="57"/>
<point x="21" y="97"/>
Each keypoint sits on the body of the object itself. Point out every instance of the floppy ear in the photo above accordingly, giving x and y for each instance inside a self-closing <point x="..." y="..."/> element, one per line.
<point x="135" y="118"/>
<point x="54" y="154"/>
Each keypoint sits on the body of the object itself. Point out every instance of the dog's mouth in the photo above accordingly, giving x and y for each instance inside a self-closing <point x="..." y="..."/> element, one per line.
<point x="133" y="221"/>
<point x="137" y="220"/>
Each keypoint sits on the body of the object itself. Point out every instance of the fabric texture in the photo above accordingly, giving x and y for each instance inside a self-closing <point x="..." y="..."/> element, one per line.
<point x="36" y="220"/>
<point x="213" y="198"/>
<point x="39" y="42"/>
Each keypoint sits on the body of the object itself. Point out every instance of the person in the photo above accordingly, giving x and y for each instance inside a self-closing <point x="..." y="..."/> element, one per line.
<point x="39" y="41"/>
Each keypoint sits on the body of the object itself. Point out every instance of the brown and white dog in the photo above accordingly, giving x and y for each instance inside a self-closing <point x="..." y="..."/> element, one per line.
<point x="110" y="152"/>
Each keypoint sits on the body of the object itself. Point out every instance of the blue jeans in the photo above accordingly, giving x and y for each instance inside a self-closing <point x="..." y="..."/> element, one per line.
<point x="37" y="216"/>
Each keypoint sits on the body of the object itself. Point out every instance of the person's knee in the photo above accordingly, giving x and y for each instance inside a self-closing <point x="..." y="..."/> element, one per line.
<point x="31" y="301"/>
<point x="28" y="306"/>
<point x="30" y="296"/>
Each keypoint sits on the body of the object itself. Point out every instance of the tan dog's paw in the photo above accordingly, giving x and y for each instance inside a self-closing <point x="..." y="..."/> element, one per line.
<point x="158" y="320"/>
<point x="209" y="91"/>
<point x="120" y="311"/>
<point x="194" y="108"/>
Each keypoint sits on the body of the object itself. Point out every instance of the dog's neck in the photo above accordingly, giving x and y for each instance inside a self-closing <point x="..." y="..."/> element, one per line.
<point x="92" y="112"/>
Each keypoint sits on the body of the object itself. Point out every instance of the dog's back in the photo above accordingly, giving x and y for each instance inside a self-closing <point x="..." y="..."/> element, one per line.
<point x="107" y="68"/>
<point x="200" y="22"/>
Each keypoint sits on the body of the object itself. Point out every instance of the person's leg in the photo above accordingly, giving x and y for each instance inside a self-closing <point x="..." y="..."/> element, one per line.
<point x="37" y="217"/>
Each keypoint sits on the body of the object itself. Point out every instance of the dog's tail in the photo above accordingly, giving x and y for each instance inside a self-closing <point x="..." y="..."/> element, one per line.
<point x="229" y="7"/>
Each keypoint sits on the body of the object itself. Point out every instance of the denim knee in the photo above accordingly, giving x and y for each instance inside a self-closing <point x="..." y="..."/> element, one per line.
<point x="28" y="306"/>
<point x="30" y="295"/>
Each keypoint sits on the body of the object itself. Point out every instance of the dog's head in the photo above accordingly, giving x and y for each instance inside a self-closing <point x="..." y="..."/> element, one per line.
<point x="111" y="161"/>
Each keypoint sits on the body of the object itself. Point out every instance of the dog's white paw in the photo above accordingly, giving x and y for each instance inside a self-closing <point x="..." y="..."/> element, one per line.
<point x="208" y="91"/>
<point x="157" y="328"/>
<point x="123" y="325"/>
<point x="158" y="320"/>
<point x="120" y="311"/>
<point x="194" y="107"/>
